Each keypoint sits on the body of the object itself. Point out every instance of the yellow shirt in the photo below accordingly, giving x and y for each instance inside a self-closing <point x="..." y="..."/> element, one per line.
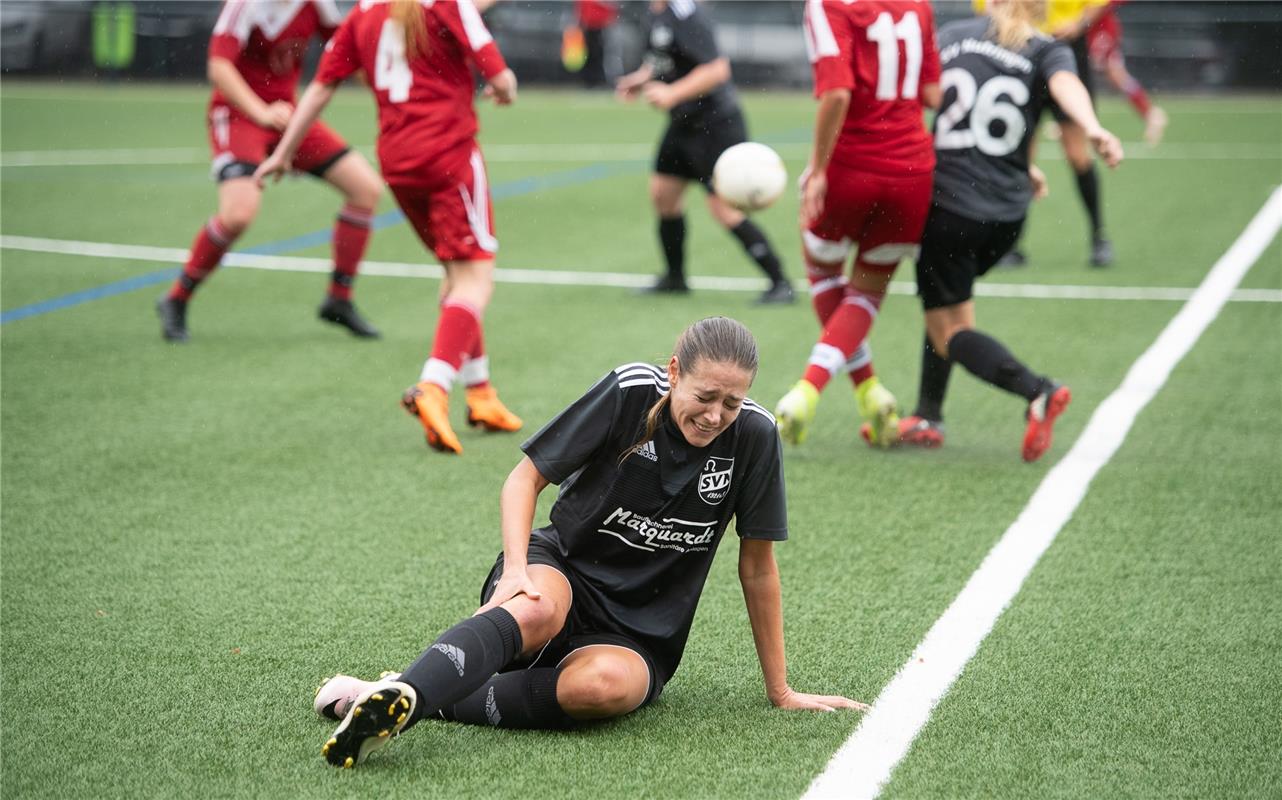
<point x="1058" y="12"/>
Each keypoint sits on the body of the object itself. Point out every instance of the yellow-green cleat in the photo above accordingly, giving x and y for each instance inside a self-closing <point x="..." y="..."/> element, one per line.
<point x="879" y="409"/>
<point x="796" y="410"/>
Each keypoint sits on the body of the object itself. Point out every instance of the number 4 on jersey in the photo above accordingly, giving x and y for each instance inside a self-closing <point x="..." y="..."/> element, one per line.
<point x="391" y="69"/>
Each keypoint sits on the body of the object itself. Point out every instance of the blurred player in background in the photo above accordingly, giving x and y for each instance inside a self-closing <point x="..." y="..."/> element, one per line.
<point x="417" y="59"/>
<point x="255" y="60"/>
<point x="867" y="186"/>
<point x="588" y="618"/>
<point x="595" y="18"/>
<point x="685" y="75"/>
<point x="1104" y="43"/>
<point x="999" y="74"/>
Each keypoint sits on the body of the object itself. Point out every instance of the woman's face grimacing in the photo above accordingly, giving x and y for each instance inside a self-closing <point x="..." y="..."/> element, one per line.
<point x="707" y="398"/>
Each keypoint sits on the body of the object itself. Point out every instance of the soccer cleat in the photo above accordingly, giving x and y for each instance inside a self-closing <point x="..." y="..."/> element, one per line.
<point x="667" y="284"/>
<point x="173" y="319"/>
<point x="796" y="410"/>
<point x="334" y="697"/>
<point x="485" y="410"/>
<point x="431" y="405"/>
<point x="377" y="714"/>
<point x="877" y="407"/>
<point x="913" y="432"/>
<point x="1041" y="417"/>
<point x="342" y="312"/>
<point x="778" y="294"/>
<point x="1101" y="252"/>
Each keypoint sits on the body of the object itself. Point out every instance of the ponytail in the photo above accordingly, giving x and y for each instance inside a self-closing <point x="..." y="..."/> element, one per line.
<point x="409" y="15"/>
<point x="1015" y="21"/>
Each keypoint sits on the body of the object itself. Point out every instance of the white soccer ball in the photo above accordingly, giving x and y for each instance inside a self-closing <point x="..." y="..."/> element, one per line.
<point x="749" y="176"/>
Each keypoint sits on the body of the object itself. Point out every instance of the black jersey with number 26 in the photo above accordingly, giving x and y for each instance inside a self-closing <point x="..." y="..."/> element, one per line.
<point x="993" y="98"/>
<point x="639" y="523"/>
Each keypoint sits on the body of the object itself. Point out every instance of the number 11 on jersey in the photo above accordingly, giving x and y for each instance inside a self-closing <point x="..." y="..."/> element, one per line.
<point x="887" y="34"/>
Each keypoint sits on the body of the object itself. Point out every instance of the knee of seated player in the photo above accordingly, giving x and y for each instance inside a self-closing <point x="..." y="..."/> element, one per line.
<point x="602" y="685"/>
<point x="541" y="619"/>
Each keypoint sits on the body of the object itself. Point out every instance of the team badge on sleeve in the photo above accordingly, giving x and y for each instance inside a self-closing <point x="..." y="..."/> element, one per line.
<point x="714" y="481"/>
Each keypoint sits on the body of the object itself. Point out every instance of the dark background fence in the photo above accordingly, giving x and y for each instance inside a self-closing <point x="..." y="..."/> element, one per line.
<point x="1169" y="45"/>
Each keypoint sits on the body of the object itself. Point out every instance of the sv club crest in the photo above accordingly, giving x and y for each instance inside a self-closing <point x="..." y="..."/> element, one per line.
<point x="714" y="481"/>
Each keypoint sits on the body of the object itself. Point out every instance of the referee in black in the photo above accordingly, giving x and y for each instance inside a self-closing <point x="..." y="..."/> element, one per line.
<point x="588" y="617"/>
<point x="684" y="74"/>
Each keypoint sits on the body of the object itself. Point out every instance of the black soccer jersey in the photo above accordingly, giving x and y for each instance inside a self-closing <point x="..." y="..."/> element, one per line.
<point x="679" y="39"/>
<point x="993" y="98"/>
<point x="639" y="523"/>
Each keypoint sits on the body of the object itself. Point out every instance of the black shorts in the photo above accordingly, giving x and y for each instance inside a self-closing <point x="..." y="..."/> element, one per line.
<point x="955" y="250"/>
<point x="582" y="628"/>
<point x="691" y="152"/>
<point x="1081" y="54"/>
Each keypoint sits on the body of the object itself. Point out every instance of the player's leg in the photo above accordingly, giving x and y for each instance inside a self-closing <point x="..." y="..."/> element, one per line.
<point x="455" y="665"/>
<point x="361" y="187"/>
<point x="1077" y="149"/>
<point x="666" y="196"/>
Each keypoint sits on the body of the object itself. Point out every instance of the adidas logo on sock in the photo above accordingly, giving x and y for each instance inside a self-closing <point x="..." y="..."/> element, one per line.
<point x="455" y="655"/>
<point x="492" y="708"/>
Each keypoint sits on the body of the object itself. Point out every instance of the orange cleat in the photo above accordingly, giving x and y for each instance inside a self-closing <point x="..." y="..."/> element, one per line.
<point x="431" y="405"/>
<point x="484" y="409"/>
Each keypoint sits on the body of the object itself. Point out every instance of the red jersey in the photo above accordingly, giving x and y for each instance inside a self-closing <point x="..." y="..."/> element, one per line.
<point x="883" y="51"/>
<point x="266" y="40"/>
<point x="425" y="104"/>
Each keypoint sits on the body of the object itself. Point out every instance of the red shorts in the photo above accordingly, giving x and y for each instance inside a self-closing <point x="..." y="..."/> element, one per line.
<point x="1104" y="40"/>
<point x="882" y="215"/>
<point x="239" y="145"/>
<point x="451" y="210"/>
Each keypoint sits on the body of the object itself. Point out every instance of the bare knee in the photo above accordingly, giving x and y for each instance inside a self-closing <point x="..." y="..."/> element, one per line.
<point x="601" y="688"/>
<point x="366" y="195"/>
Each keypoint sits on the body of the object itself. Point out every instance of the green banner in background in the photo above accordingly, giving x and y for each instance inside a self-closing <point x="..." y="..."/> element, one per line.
<point x="113" y="35"/>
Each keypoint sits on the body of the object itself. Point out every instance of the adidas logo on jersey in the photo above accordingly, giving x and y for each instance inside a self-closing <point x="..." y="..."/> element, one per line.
<point x="646" y="450"/>
<point x="455" y="655"/>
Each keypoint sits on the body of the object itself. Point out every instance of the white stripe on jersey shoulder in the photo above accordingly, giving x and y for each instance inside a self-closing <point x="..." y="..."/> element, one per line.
<point x="478" y="35"/>
<point x="820" y="43"/>
<point x="642" y="374"/>
<point x="682" y="8"/>
<point x="752" y="405"/>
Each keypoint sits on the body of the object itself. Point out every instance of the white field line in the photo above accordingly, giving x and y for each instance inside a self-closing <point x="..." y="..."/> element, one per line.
<point x="561" y="277"/>
<point x="863" y="765"/>
<point x="575" y="152"/>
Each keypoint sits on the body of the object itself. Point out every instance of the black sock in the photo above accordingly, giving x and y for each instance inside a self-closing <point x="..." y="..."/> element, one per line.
<point x="462" y="660"/>
<point x="523" y="698"/>
<point x="934" y="383"/>
<point x="672" y="235"/>
<point x="758" y="246"/>
<point x="988" y="360"/>
<point x="1088" y="188"/>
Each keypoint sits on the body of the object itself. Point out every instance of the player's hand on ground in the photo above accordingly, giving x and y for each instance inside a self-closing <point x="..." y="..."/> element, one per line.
<point x="813" y="192"/>
<point x="502" y="88"/>
<point x="510" y="585"/>
<point x="275" y="166"/>
<point x="1041" y="188"/>
<point x="660" y="95"/>
<point x="1107" y="145"/>
<point x="276" y="115"/>
<point x="816" y="702"/>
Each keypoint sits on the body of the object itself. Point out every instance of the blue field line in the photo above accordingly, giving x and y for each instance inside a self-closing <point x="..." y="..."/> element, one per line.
<point x="502" y="191"/>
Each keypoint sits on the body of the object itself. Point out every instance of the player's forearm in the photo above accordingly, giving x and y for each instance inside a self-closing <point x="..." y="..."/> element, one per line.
<point x="1073" y="99"/>
<point x="517" y="502"/>
<point x="763" y="596"/>
<point x="309" y="108"/>
<point x="701" y="80"/>
<point x="231" y="85"/>
<point x="833" y="105"/>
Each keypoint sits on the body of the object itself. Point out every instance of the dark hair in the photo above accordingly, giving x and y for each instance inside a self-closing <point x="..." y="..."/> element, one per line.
<point x="718" y="339"/>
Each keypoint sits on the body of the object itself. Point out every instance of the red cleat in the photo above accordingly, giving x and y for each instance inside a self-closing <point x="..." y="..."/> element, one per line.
<point x="1041" y="418"/>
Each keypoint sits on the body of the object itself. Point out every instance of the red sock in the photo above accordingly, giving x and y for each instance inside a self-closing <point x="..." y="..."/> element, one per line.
<point x="456" y="333"/>
<point x="827" y="288"/>
<point x="475" y="372"/>
<point x="351" y="234"/>
<point x="846" y="330"/>
<point x="206" y="251"/>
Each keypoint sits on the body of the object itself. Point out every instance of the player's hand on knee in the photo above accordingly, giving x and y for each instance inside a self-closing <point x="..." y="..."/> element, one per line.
<point x="511" y="584"/>
<point x="274" y="167"/>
